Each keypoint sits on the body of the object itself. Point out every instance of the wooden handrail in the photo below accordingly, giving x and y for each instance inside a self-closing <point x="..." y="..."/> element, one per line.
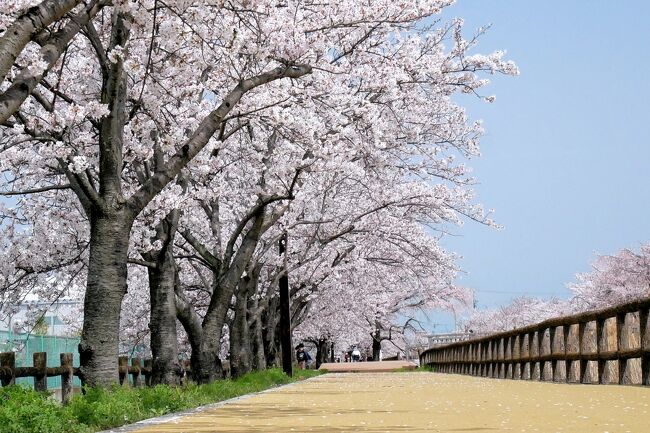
<point x="611" y="345"/>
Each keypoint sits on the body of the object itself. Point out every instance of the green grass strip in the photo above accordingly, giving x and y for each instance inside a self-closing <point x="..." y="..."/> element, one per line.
<point x="23" y="410"/>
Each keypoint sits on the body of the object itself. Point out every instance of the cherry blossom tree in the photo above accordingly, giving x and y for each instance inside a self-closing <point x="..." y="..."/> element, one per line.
<point x="114" y="102"/>
<point x="614" y="279"/>
<point x="522" y="311"/>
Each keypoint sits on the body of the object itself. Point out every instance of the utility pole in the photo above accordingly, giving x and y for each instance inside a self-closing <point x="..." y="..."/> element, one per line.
<point x="285" y="312"/>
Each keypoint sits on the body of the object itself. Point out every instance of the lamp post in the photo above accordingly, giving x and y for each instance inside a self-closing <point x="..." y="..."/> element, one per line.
<point x="285" y="312"/>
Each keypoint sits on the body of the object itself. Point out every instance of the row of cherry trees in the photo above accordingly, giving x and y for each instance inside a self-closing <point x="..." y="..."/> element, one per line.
<point x="614" y="279"/>
<point x="154" y="152"/>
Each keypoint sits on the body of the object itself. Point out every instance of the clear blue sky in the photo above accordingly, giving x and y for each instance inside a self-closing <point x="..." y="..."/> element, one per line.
<point x="565" y="157"/>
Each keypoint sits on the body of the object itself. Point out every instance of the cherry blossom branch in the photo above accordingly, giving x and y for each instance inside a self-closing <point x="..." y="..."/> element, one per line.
<point x="207" y="128"/>
<point x="32" y="21"/>
<point x="22" y="86"/>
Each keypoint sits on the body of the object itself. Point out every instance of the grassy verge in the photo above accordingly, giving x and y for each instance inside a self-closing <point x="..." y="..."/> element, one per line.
<point x="23" y="410"/>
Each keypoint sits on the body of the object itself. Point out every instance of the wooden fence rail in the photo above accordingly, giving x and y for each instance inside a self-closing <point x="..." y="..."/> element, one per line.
<point x="604" y="346"/>
<point x="40" y="372"/>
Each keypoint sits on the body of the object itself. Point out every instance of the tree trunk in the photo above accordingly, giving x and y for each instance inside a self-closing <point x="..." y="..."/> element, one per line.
<point x="191" y="323"/>
<point x="106" y="287"/>
<point x="206" y="365"/>
<point x="240" y="347"/>
<point x="376" y="345"/>
<point x="162" y="323"/>
<point x="163" y="279"/>
<point x="241" y="356"/>
<point x="332" y="352"/>
<point x="257" y="343"/>
<point x="321" y="352"/>
<point x="257" y="336"/>
<point x="270" y="323"/>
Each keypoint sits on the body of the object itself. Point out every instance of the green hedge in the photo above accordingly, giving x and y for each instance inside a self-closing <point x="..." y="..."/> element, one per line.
<point x="23" y="410"/>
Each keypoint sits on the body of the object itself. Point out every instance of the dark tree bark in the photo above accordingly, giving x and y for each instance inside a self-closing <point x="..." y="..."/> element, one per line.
<point x="163" y="278"/>
<point x="257" y="345"/>
<point x="322" y="345"/>
<point x="206" y="364"/>
<point x="241" y="358"/>
<point x="106" y="287"/>
<point x="271" y="340"/>
<point x="191" y="323"/>
<point x="376" y="345"/>
<point x="256" y="308"/>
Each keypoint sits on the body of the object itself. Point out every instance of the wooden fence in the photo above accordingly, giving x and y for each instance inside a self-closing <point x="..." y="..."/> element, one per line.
<point x="605" y="346"/>
<point x="140" y="372"/>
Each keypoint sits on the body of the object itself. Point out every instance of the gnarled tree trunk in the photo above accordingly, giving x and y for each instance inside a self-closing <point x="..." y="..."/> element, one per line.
<point x="270" y="323"/>
<point x="163" y="278"/>
<point x="106" y="287"/>
<point x="257" y="338"/>
<point x="206" y="365"/>
<point x="241" y="357"/>
<point x="240" y="347"/>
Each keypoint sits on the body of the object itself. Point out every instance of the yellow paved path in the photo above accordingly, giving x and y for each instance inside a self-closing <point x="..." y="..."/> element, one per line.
<point x="426" y="402"/>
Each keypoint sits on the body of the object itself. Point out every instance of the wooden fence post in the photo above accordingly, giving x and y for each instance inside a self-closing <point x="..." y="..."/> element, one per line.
<point x="501" y="343"/>
<point x="572" y="347"/>
<point x="516" y="357"/>
<point x="148" y="363"/>
<point x="8" y="363"/>
<point x="536" y="366"/>
<point x="546" y="365"/>
<point x="621" y="344"/>
<point x="558" y="347"/>
<point x="600" y="345"/>
<point x="123" y="363"/>
<point x="40" y="378"/>
<point x="135" y="363"/>
<point x="66" y="377"/>
<point x="644" y="322"/>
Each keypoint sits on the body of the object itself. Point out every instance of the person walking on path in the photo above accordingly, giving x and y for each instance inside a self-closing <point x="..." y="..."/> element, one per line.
<point x="301" y="356"/>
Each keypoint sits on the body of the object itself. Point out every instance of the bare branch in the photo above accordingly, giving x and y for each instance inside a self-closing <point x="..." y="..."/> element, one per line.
<point x="35" y="190"/>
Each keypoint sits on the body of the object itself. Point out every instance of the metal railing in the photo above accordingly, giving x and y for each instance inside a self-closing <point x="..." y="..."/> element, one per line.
<point x="604" y="346"/>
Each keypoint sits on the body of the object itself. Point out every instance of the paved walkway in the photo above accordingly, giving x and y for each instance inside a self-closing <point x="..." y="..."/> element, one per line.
<point x="426" y="402"/>
<point x="367" y="367"/>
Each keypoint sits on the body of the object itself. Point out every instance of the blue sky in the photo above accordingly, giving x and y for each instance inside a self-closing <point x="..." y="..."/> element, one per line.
<point x="565" y="157"/>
